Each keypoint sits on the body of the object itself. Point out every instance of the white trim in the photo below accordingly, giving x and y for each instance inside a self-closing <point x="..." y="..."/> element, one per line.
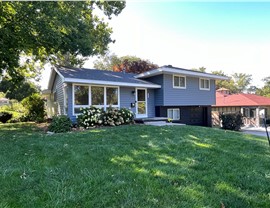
<point x="173" y="109"/>
<point x="179" y="87"/>
<point x="110" y="83"/>
<point x="90" y="97"/>
<point x="146" y="103"/>
<point x="165" y="70"/>
<point x="208" y="89"/>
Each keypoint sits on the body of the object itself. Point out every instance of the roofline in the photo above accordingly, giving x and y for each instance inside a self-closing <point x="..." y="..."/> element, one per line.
<point x="186" y="72"/>
<point x="54" y="71"/>
<point x="122" y="84"/>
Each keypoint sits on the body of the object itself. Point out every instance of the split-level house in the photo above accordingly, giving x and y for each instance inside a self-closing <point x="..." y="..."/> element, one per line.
<point x="185" y="96"/>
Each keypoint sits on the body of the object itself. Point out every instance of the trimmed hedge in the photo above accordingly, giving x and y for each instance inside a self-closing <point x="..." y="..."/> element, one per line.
<point x="231" y="121"/>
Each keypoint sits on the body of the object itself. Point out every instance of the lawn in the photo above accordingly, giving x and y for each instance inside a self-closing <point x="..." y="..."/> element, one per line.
<point x="133" y="166"/>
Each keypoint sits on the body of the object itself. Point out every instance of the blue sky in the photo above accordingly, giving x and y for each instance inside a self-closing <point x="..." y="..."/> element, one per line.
<point x="232" y="37"/>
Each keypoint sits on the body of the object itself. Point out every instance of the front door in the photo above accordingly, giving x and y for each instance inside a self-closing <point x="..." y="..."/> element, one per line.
<point x="141" y="104"/>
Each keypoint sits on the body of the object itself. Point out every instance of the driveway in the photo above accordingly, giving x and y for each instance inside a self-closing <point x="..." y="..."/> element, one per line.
<point x="258" y="131"/>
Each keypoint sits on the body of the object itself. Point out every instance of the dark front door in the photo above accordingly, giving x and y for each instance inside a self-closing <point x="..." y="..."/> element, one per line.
<point x="197" y="116"/>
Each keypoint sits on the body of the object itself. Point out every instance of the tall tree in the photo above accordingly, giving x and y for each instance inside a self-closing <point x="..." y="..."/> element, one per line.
<point x="228" y="84"/>
<point x="107" y="62"/>
<point x="19" y="90"/>
<point x="200" y="69"/>
<point x="265" y="90"/>
<point x="136" y="66"/>
<point x="242" y="81"/>
<point x="45" y="31"/>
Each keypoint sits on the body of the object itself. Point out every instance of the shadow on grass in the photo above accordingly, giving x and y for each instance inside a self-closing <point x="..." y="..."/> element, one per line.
<point x="137" y="166"/>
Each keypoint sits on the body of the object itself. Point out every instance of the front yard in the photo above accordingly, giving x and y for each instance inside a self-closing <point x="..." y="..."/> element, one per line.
<point x="133" y="166"/>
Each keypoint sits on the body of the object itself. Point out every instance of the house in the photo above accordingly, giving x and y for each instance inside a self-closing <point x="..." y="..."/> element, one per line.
<point x="4" y="101"/>
<point x="183" y="95"/>
<point x="253" y="107"/>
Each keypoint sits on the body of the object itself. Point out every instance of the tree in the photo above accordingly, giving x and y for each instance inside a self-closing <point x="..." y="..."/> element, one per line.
<point x="265" y="90"/>
<point x="44" y="31"/>
<point x="129" y="64"/>
<point x="201" y="69"/>
<point x="107" y="62"/>
<point x="242" y="81"/>
<point x="136" y="66"/>
<point x="228" y="84"/>
<point x="19" y="90"/>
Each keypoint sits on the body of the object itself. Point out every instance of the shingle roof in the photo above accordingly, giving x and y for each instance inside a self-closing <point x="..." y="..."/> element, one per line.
<point x="241" y="100"/>
<point x="100" y="75"/>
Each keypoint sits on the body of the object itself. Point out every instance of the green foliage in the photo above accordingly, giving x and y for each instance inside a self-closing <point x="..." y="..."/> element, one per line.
<point x="60" y="124"/>
<point x="231" y="121"/>
<point x="34" y="105"/>
<point x="265" y="90"/>
<point x="5" y="116"/>
<point x="43" y="32"/>
<point x="93" y="116"/>
<point x="16" y="109"/>
<point x="18" y="90"/>
<point x="129" y="64"/>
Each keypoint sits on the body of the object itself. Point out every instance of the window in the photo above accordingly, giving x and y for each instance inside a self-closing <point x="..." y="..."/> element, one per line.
<point x="112" y="96"/>
<point x="249" y="112"/>
<point x="204" y="84"/>
<point x="98" y="96"/>
<point x="81" y="97"/>
<point x="173" y="113"/>
<point x="179" y="81"/>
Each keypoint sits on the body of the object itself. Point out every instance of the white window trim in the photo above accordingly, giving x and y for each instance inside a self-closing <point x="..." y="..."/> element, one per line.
<point x="179" y="87"/>
<point x="90" y="97"/>
<point x="173" y="109"/>
<point x="203" y="79"/>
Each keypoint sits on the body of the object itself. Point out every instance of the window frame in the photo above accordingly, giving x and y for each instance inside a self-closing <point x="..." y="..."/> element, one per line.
<point x="90" y="97"/>
<point x="203" y="88"/>
<point x="174" y="109"/>
<point x="179" y="76"/>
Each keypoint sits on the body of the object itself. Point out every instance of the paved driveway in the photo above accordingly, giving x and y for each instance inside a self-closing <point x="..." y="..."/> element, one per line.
<point x="258" y="131"/>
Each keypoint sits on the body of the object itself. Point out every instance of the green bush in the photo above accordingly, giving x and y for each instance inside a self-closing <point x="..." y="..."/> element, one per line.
<point x="90" y="117"/>
<point x="231" y="121"/>
<point x="60" y="124"/>
<point x="5" y="116"/>
<point x="93" y="116"/>
<point x="34" y="105"/>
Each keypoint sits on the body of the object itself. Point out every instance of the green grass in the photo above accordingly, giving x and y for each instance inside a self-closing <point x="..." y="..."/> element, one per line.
<point x="133" y="166"/>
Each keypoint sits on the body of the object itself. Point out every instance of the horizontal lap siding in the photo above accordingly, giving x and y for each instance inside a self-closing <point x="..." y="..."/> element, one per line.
<point x="127" y="97"/>
<point x="158" y="93"/>
<point x="192" y="95"/>
<point x="58" y="89"/>
<point x="151" y="103"/>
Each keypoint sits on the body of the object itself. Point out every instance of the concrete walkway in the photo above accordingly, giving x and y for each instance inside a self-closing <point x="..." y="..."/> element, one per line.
<point x="258" y="131"/>
<point x="162" y="123"/>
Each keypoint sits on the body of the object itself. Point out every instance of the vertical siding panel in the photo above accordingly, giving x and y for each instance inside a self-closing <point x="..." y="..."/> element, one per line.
<point x="151" y="102"/>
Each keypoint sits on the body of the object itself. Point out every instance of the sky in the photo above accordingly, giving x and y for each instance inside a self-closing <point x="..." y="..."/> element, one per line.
<point x="228" y="36"/>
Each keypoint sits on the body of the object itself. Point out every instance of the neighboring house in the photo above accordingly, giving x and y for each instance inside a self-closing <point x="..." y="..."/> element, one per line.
<point x="183" y="95"/>
<point x="253" y="107"/>
<point x="4" y="101"/>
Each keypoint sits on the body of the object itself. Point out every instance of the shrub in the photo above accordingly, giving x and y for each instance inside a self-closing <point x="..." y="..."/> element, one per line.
<point x="231" y="121"/>
<point x="5" y="116"/>
<point x="60" y="124"/>
<point x="34" y="105"/>
<point x="93" y="116"/>
<point x="90" y="117"/>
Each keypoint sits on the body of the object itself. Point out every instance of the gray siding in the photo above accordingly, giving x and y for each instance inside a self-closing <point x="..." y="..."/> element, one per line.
<point x="127" y="97"/>
<point x="57" y="89"/>
<point x="159" y="93"/>
<point x="151" y="103"/>
<point x="192" y="95"/>
<point x="70" y="103"/>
